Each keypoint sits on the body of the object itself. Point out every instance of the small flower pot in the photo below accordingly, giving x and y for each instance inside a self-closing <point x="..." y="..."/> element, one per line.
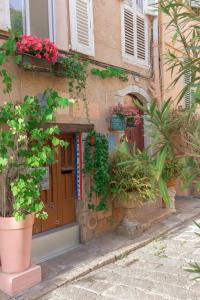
<point x="118" y="123"/>
<point x="172" y="182"/>
<point x="92" y="140"/>
<point x="15" y="244"/>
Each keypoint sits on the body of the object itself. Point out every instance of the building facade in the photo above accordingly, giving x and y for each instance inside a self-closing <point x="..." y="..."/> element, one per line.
<point x="113" y="33"/>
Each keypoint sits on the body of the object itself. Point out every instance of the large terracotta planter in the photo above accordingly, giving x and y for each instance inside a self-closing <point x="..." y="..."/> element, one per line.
<point x="15" y="244"/>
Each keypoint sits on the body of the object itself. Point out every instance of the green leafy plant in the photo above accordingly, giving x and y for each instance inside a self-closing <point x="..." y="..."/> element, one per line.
<point x="75" y="70"/>
<point x="110" y="72"/>
<point x="96" y="169"/>
<point x="132" y="172"/>
<point x="7" y="52"/>
<point x="183" y="24"/>
<point x="25" y="147"/>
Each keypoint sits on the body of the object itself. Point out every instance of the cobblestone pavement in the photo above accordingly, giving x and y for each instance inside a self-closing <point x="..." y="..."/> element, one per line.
<point x="153" y="272"/>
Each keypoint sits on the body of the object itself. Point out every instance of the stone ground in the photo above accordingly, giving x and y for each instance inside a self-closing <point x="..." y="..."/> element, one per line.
<point x="116" y="267"/>
<point x="153" y="272"/>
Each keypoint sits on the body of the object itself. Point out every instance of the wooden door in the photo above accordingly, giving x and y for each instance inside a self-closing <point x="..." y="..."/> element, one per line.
<point x="59" y="198"/>
<point x="136" y="135"/>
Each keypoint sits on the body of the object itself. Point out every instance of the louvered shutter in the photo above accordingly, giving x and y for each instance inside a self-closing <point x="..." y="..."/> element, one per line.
<point x="81" y="20"/>
<point x="128" y="32"/>
<point x="188" y="94"/>
<point x="135" y="41"/>
<point x="4" y="15"/>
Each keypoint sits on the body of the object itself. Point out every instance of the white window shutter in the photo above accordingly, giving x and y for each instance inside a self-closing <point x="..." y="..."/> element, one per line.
<point x="188" y="94"/>
<point x="81" y="21"/>
<point x="128" y="28"/>
<point x="4" y="15"/>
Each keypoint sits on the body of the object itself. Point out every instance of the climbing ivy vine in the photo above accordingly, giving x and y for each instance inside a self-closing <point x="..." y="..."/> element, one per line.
<point x="110" y="72"/>
<point x="96" y="168"/>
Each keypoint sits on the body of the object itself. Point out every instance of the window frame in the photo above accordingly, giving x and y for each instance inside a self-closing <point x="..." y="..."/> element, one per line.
<point x="133" y="59"/>
<point x="51" y="18"/>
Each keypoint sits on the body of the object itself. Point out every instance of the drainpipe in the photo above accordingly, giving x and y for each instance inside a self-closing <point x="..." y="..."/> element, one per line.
<point x="155" y="84"/>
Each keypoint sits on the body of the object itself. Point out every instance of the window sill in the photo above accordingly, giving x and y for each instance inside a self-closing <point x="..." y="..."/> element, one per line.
<point x="133" y="62"/>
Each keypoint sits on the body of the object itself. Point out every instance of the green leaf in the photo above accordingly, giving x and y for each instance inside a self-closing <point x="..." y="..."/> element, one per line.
<point x="164" y="191"/>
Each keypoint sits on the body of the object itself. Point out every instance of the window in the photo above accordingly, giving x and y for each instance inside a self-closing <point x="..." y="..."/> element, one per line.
<point x="135" y="41"/>
<point x="81" y="21"/>
<point x="25" y="17"/>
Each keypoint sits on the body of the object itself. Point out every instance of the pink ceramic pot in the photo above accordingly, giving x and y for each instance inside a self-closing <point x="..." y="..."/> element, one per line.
<point x="15" y="244"/>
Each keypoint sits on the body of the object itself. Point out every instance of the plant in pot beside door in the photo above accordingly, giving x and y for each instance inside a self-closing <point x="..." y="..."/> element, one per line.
<point x="26" y="146"/>
<point x="132" y="184"/>
<point x="171" y="172"/>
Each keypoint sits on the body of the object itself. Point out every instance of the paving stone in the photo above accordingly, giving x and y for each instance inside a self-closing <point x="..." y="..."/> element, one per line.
<point x="74" y="293"/>
<point x="122" y="292"/>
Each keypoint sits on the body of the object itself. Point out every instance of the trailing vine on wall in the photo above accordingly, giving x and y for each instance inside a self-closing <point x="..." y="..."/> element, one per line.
<point x="7" y="51"/>
<point x="75" y="71"/>
<point x="96" y="168"/>
<point x="110" y="72"/>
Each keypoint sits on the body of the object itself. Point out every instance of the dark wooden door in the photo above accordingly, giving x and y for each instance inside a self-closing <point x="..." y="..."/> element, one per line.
<point x="136" y="135"/>
<point x="59" y="198"/>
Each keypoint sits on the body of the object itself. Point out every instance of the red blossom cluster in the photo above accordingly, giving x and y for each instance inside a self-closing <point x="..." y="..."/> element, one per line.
<point x="41" y="48"/>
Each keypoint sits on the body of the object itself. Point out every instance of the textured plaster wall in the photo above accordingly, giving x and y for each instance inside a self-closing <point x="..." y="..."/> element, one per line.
<point x="100" y="94"/>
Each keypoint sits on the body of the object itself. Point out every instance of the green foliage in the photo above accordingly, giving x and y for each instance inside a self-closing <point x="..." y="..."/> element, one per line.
<point x="131" y="172"/>
<point x="184" y="24"/>
<point x="76" y="72"/>
<point x="25" y="147"/>
<point x="7" y="51"/>
<point x="96" y="168"/>
<point x="110" y="72"/>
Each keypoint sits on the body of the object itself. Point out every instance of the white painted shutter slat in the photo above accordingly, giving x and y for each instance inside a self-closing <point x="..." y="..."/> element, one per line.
<point x="4" y="15"/>
<point x="81" y="20"/>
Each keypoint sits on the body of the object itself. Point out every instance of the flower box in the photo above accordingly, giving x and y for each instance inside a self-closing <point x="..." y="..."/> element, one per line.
<point x="117" y="123"/>
<point x="59" y="70"/>
<point x="32" y="63"/>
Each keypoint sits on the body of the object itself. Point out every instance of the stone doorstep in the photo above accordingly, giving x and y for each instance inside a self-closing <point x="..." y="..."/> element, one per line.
<point x="15" y="283"/>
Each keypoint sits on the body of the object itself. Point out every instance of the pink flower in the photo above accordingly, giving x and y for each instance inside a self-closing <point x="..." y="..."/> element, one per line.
<point x="41" y="48"/>
<point x="38" y="55"/>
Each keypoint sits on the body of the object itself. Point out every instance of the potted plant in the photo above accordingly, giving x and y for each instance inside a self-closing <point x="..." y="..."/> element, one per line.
<point x="26" y="146"/>
<point x="132" y="183"/>
<point x="117" y="118"/>
<point x="36" y="52"/>
<point x="123" y="117"/>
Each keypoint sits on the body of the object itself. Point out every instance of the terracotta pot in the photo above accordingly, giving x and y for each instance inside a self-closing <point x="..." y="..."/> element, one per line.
<point x="92" y="140"/>
<point x="172" y="182"/>
<point x="133" y="201"/>
<point x="15" y="244"/>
